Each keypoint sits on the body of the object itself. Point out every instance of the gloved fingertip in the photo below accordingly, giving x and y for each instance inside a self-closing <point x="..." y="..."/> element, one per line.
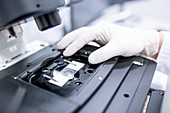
<point x="59" y="45"/>
<point x="92" y="59"/>
<point x="67" y="53"/>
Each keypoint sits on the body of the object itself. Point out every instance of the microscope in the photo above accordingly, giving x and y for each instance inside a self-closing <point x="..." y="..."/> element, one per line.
<point x="48" y="82"/>
<point x="15" y="13"/>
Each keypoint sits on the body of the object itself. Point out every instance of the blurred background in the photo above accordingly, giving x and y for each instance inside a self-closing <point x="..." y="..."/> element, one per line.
<point x="141" y="14"/>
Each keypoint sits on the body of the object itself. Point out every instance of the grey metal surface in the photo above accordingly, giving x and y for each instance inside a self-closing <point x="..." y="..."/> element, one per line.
<point x="166" y="100"/>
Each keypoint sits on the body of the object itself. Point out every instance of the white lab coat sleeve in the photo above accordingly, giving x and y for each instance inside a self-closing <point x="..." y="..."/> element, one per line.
<point x="163" y="59"/>
<point x="163" y="64"/>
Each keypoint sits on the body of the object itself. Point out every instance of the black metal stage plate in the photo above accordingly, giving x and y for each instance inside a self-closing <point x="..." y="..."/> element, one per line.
<point x="119" y="85"/>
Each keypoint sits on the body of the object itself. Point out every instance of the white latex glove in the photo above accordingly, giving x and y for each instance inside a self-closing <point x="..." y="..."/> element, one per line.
<point x="117" y="40"/>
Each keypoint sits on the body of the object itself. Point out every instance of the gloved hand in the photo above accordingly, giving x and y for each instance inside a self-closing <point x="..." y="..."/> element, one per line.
<point x="117" y="40"/>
